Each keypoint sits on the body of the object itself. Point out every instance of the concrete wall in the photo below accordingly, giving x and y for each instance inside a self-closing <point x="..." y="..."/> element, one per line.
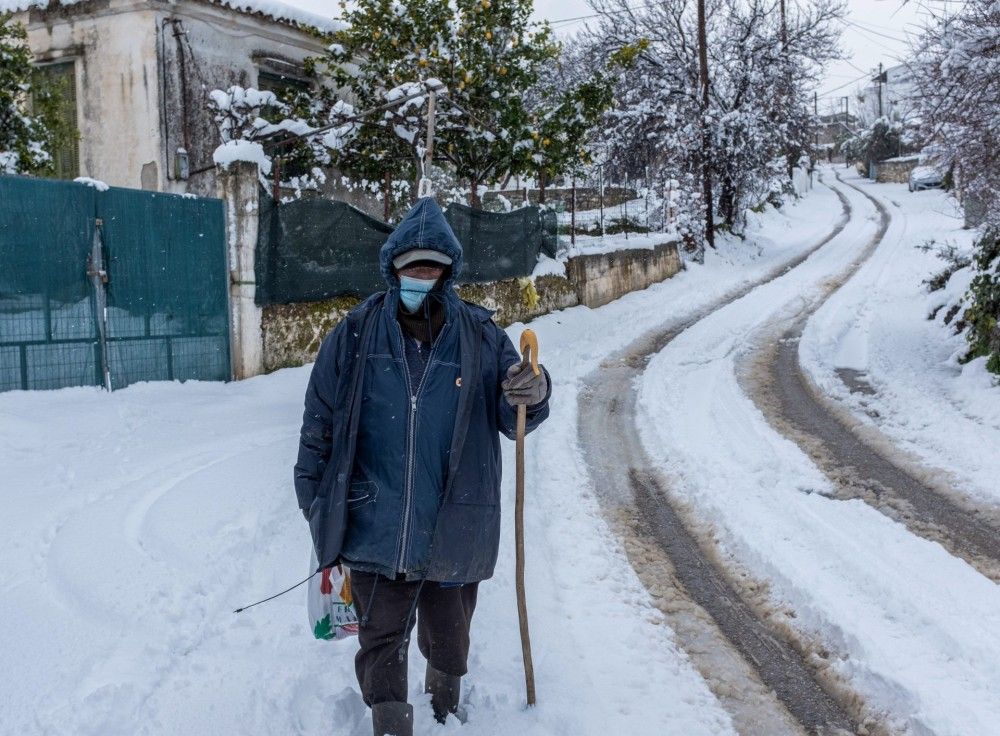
<point x="284" y="335"/>
<point x="204" y="47"/>
<point x="599" y="279"/>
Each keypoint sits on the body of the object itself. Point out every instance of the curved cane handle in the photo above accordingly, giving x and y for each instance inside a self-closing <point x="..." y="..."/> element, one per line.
<point x="529" y="349"/>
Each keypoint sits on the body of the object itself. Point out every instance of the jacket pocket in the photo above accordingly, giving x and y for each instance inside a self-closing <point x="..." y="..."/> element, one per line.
<point x="361" y="493"/>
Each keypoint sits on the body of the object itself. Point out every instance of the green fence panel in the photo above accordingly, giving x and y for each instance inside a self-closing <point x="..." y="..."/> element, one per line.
<point x="167" y="287"/>
<point x="48" y="333"/>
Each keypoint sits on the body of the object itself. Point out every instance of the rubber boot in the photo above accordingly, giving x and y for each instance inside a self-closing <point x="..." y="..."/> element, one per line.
<point x="445" y="691"/>
<point x="392" y="719"/>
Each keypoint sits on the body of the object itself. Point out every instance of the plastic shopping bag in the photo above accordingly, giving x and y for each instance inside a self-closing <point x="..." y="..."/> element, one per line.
<point x="331" y="606"/>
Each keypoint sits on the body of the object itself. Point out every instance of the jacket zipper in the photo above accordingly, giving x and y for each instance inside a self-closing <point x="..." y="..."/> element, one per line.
<point x="410" y="444"/>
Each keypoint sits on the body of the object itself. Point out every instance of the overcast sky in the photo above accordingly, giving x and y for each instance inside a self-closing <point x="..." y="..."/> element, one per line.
<point x="875" y="31"/>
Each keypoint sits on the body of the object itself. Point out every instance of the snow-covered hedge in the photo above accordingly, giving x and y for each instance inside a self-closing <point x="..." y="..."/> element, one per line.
<point x="983" y="312"/>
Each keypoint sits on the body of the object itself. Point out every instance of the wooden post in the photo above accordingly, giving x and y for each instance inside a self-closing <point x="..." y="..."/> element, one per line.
<point x="601" y="174"/>
<point x="424" y="189"/>
<point x="387" y="195"/>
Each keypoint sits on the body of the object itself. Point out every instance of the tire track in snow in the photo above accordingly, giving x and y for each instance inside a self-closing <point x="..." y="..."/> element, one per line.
<point x="860" y="462"/>
<point x="761" y="679"/>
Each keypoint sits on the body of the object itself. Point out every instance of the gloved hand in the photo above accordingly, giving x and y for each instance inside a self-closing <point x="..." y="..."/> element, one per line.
<point x="522" y="386"/>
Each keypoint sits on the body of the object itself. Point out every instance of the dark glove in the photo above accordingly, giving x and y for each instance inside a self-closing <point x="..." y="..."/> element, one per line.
<point x="522" y="386"/>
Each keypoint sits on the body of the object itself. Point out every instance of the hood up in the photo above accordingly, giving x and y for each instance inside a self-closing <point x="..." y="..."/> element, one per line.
<point x="423" y="227"/>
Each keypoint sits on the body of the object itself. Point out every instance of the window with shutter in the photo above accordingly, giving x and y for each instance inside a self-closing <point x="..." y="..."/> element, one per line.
<point x="61" y="77"/>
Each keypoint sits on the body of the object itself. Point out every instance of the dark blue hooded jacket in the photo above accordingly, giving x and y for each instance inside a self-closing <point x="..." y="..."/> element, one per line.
<point x="397" y="478"/>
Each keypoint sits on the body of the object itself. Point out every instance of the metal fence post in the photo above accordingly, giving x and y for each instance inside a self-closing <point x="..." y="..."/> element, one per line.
<point x="98" y="274"/>
<point x="602" y="198"/>
<point x="572" y="214"/>
<point x="625" y="207"/>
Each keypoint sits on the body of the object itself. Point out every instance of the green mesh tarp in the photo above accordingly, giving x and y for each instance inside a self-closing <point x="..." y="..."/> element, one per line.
<point x="165" y="293"/>
<point x="498" y="245"/>
<point x="48" y="333"/>
<point x="168" y="285"/>
<point x="313" y="249"/>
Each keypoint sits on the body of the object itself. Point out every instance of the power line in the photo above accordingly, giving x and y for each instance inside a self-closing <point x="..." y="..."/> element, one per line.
<point x="866" y="75"/>
<point x="862" y="30"/>
<point x="568" y="21"/>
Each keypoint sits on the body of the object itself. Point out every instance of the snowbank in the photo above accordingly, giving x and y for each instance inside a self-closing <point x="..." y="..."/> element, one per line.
<point x="944" y="413"/>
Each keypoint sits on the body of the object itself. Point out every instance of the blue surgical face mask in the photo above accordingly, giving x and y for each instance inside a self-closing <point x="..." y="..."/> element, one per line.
<point x="412" y="291"/>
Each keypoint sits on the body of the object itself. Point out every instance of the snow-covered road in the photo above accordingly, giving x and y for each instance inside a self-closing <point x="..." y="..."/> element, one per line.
<point x="911" y="628"/>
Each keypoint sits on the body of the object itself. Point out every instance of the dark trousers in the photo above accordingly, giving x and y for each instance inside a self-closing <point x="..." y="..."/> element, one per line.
<point x="386" y="612"/>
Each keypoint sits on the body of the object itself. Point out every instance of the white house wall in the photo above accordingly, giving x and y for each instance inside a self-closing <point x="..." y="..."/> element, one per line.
<point x="144" y="69"/>
<point x="216" y="47"/>
<point x="113" y="45"/>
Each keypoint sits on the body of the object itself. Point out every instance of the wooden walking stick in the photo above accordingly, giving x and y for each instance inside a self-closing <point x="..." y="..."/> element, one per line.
<point x="529" y="352"/>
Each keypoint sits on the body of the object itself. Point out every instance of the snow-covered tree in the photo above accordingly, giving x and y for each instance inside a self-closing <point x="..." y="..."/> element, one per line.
<point x="759" y="90"/>
<point x="880" y="140"/>
<point x="957" y="73"/>
<point x="957" y="77"/>
<point x="248" y="119"/>
<point x="566" y="104"/>
<point x="30" y="125"/>
<point x="488" y="54"/>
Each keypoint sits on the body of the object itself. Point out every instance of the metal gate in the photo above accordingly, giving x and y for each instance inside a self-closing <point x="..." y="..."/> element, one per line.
<point x="109" y="287"/>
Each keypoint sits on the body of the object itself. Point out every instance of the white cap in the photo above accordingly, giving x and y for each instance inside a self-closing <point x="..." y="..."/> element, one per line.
<point x="420" y="254"/>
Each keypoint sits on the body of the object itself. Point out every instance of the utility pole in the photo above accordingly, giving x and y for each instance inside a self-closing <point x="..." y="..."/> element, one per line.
<point x="425" y="187"/>
<point x="706" y="136"/>
<point x="880" y="89"/>
<point x="847" y="104"/>
<point x="787" y="91"/>
<point x="816" y="115"/>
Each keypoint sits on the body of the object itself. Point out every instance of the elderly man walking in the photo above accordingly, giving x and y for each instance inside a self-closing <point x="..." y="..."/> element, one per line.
<point x="398" y="470"/>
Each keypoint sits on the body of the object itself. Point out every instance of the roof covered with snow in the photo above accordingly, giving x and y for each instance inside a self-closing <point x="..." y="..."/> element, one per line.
<point x="272" y="9"/>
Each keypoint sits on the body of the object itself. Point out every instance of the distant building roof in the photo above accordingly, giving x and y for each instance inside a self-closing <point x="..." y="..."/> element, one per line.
<point x="272" y="9"/>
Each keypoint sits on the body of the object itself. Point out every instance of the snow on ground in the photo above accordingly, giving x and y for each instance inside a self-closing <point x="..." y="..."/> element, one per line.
<point x="940" y="411"/>
<point x="917" y="629"/>
<point x="135" y="522"/>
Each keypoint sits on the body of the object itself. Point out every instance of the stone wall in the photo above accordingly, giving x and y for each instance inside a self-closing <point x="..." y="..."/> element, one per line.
<point x="895" y="170"/>
<point x="601" y="278"/>
<point x="587" y="198"/>
<point x="292" y="333"/>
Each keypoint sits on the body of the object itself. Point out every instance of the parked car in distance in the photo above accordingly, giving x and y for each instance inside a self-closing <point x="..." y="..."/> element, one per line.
<point x="925" y="177"/>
